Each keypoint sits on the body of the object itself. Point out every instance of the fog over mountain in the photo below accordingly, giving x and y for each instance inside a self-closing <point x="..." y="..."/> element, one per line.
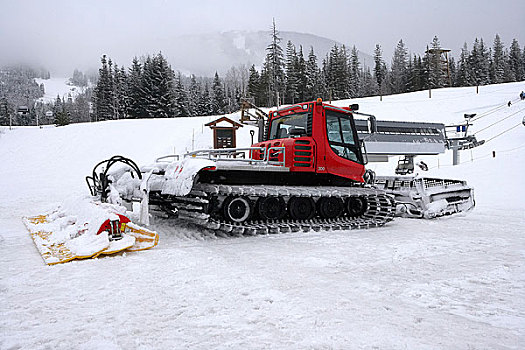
<point x="202" y="36"/>
<point x="203" y="54"/>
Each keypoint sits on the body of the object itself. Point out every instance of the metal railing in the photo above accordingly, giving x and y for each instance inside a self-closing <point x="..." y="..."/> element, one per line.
<point x="168" y="158"/>
<point x="239" y="155"/>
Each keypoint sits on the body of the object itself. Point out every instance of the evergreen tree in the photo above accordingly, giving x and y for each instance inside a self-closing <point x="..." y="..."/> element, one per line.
<point x="148" y="87"/>
<point x="264" y="88"/>
<point x="425" y="70"/>
<point x="436" y="77"/>
<point x="111" y="87"/>
<point x="300" y="69"/>
<point x="354" y="75"/>
<point x="478" y="64"/>
<point x="313" y="88"/>
<point x="274" y="68"/>
<point x="78" y="79"/>
<point x="509" y="73"/>
<point x="475" y="64"/>
<point x="368" y="83"/>
<point x="336" y="73"/>
<point x="399" y="69"/>
<point x="204" y="104"/>
<point x="57" y="106"/>
<point x="62" y="118"/>
<point x="180" y="103"/>
<point x="463" y="74"/>
<point x="103" y="96"/>
<point x="4" y="111"/>
<point x="523" y="61"/>
<point x="291" y="74"/>
<point x="254" y="86"/>
<point x="80" y="108"/>
<point x="484" y="63"/>
<point x="157" y="86"/>
<point x="194" y="94"/>
<point x="418" y="78"/>
<point x="410" y="75"/>
<point x="218" y="97"/>
<point x="120" y="93"/>
<point x="452" y="68"/>
<point x="498" y="61"/>
<point x="60" y="113"/>
<point x="491" y="67"/>
<point x="135" y="92"/>
<point x="379" y="68"/>
<point x="345" y="72"/>
<point x="516" y="62"/>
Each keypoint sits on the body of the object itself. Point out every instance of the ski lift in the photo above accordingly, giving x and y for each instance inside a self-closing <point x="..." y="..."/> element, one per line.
<point x="405" y="165"/>
<point x="422" y="165"/>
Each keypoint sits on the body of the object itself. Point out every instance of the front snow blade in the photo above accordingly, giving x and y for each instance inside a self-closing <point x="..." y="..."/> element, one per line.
<point x="144" y="238"/>
<point x="56" y="251"/>
<point x="61" y="237"/>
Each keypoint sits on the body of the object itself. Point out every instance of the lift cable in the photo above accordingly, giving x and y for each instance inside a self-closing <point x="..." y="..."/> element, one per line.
<point x="503" y="132"/>
<point x="484" y="114"/>
<point x="499" y="121"/>
<point x="490" y="155"/>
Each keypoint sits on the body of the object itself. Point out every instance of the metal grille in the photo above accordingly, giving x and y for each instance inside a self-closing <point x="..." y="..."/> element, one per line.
<point x="303" y="154"/>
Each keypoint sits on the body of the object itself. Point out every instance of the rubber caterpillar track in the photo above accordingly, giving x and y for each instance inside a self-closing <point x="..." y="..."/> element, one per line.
<point x="196" y="208"/>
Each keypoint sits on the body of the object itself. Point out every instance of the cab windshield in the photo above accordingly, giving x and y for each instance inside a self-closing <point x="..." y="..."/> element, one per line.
<point x="283" y="127"/>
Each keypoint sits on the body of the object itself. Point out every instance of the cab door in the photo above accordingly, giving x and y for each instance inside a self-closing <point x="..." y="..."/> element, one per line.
<point x="343" y="155"/>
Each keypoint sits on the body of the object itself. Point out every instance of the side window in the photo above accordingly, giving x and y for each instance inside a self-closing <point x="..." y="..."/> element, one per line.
<point x="346" y="128"/>
<point x="333" y="128"/>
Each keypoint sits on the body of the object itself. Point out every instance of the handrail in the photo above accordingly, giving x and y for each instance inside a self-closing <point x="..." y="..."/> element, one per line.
<point x="231" y="154"/>
<point x="176" y="156"/>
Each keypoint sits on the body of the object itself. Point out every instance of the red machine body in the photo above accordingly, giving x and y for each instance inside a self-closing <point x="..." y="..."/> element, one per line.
<point x="318" y="138"/>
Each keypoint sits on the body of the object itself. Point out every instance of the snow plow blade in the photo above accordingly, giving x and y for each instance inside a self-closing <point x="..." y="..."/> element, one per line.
<point x="427" y="197"/>
<point x="98" y="229"/>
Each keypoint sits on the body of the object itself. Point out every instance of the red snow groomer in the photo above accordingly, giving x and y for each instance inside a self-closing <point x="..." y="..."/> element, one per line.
<point x="306" y="172"/>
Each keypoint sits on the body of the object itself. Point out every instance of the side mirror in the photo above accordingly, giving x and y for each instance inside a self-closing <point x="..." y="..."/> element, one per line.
<point x="373" y="124"/>
<point x="364" y="153"/>
<point x="354" y="107"/>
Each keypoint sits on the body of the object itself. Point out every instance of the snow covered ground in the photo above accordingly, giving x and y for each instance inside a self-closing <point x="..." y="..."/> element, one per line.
<point x="54" y="87"/>
<point x="453" y="282"/>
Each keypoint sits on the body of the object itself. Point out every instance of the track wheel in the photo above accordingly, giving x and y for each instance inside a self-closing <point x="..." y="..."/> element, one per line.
<point x="271" y="208"/>
<point x="301" y="208"/>
<point x="237" y="209"/>
<point x="356" y="206"/>
<point x="330" y="207"/>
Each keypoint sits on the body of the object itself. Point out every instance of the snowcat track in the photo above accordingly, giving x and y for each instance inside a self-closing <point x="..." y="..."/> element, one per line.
<point x="193" y="208"/>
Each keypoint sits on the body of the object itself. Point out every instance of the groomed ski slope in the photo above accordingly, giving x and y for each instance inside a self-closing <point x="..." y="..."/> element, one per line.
<point x="455" y="282"/>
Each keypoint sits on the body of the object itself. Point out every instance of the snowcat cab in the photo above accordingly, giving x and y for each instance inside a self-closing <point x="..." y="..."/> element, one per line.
<point x="320" y="143"/>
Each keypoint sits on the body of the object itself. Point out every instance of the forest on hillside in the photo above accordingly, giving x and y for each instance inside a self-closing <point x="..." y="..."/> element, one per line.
<point x="151" y="88"/>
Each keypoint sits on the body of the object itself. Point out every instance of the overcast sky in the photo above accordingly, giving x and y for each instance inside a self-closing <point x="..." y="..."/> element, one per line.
<point x="52" y="31"/>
